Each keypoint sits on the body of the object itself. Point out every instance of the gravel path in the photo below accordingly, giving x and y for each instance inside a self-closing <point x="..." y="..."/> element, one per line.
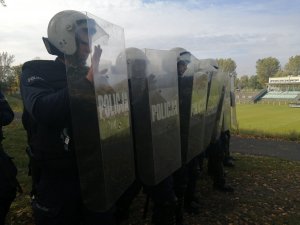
<point x="277" y="148"/>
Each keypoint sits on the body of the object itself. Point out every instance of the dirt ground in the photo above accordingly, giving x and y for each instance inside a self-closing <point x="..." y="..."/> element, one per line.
<point x="267" y="190"/>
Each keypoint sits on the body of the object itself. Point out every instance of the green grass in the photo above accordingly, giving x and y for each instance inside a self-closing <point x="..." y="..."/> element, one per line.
<point x="15" y="102"/>
<point x="278" y="121"/>
<point x="15" y="144"/>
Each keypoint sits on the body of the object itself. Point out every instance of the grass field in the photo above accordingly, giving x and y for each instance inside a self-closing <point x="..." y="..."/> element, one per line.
<point x="277" y="121"/>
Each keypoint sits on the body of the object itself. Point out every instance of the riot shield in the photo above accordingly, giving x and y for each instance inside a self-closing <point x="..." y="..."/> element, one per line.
<point x="99" y="105"/>
<point x="234" y="123"/>
<point x="227" y="104"/>
<point x="192" y="98"/>
<point x="155" y="116"/>
<point x="213" y="105"/>
<point x="220" y="115"/>
<point x="198" y="109"/>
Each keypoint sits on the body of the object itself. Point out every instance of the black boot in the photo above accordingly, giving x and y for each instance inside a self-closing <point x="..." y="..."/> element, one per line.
<point x="179" y="211"/>
<point x="164" y="214"/>
<point x="192" y="204"/>
<point x="228" y="162"/>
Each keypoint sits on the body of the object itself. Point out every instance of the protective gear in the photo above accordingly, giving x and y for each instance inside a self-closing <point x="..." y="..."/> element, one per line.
<point x="198" y="109"/>
<point x="137" y="69"/>
<point x="154" y="111"/>
<point x="136" y="58"/>
<point x="63" y="31"/>
<point x="101" y="117"/>
<point x="182" y="55"/>
<point x="234" y="124"/>
<point x="133" y="55"/>
<point x="214" y="106"/>
<point x="183" y="59"/>
<point x="227" y="105"/>
<point x="226" y="121"/>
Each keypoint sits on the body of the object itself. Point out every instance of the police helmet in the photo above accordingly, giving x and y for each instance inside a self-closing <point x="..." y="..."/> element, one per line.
<point x="63" y="28"/>
<point x="182" y="55"/>
<point x="136" y="62"/>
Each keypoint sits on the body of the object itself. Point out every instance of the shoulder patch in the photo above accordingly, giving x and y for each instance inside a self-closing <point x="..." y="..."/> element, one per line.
<point x="33" y="78"/>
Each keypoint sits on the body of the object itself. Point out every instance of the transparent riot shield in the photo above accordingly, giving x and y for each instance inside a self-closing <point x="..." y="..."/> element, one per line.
<point x="227" y="104"/>
<point x="221" y="108"/>
<point x="198" y="109"/>
<point x="234" y="123"/>
<point x="155" y="115"/>
<point x="192" y="104"/>
<point x="213" y="106"/>
<point x="99" y="105"/>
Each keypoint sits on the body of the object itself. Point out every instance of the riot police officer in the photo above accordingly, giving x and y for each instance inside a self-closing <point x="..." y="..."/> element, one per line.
<point x="184" y="178"/>
<point x="57" y="196"/>
<point x="215" y="149"/>
<point x="8" y="171"/>
<point x="229" y="119"/>
<point x="160" y="192"/>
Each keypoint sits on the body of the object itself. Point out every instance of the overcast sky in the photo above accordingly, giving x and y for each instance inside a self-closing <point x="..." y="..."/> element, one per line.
<point x="242" y="30"/>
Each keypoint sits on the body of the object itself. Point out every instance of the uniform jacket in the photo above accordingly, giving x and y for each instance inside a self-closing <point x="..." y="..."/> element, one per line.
<point x="46" y="107"/>
<point x="8" y="170"/>
<point x="6" y="114"/>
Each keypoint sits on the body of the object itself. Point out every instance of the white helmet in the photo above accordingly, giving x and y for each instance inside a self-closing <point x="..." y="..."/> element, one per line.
<point x="62" y="31"/>
<point x="136" y="62"/>
<point x="182" y="55"/>
<point x="130" y="58"/>
<point x="210" y="64"/>
<point x="135" y="54"/>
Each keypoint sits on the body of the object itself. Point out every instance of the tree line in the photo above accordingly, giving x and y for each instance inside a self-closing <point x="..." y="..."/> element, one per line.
<point x="9" y="75"/>
<point x="265" y="68"/>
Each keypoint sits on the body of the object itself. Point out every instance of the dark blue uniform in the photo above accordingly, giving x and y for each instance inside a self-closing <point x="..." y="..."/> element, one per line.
<point x="47" y="120"/>
<point x="8" y="171"/>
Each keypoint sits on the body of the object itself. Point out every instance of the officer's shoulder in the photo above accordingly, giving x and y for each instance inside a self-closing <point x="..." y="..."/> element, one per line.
<point x="38" y="64"/>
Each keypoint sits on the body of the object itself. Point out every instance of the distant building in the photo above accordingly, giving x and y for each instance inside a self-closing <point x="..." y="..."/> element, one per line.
<point x="289" y="83"/>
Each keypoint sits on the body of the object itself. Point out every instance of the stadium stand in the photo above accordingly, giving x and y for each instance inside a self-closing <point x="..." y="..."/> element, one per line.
<point x="248" y="96"/>
<point x="281" y="90"/>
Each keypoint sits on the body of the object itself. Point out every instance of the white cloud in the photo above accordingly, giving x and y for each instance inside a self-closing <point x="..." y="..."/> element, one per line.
<point x="242" y="31"/>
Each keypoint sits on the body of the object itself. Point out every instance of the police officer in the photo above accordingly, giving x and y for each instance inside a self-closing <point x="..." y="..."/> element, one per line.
<point x="8" y="171"/>
<point x="183" y="181"/>
<point x="57" y="196"/>
<point x="225" y="139"/>
<point x="162" y="194"/>
<point x="215" y="150"/>
<point x="229" y="119"/>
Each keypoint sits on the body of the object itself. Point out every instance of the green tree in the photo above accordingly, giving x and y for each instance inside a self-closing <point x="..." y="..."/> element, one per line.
<point x="282" y="73"/>
<point x="253" y="82"/>
<point x="242" y="82"/>
<point x="227" y="65"/>
<point x="6" y="70"/>
<point x="14" y="80"/>
<point x="265" y="68"/>
<point x="293" y="65"/>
